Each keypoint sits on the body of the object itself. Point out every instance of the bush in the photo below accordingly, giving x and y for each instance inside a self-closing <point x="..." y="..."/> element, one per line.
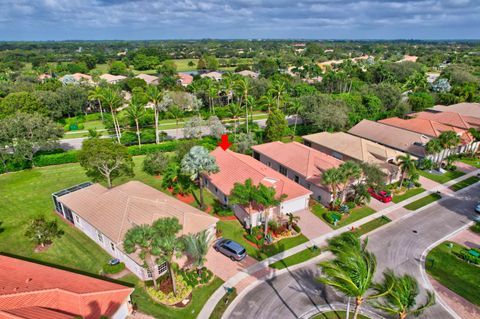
<point x="465" y="255"/>
<point x="475" y="227"/>
<point x="183" y="291"/>
<point x="93" y="117"/>
<point x="113" y="269"/>
<point x="56" y="159"/>
<point x="350" y="205"/>
<point x="331" y="217"/>
<point x="155" y="163"/>
<point x="296" y="228"/>
<point x="193" y="279"/>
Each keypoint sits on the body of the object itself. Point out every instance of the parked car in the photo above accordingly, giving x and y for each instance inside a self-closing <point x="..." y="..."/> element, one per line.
<point x="382" y="196"/>
<point x="477" y="208"/>
<point x="231" y="249"/>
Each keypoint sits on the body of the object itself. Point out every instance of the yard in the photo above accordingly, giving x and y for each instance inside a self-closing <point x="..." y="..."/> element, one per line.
<point x="475" y="162"/>
<point x="371" y="225"/>
<point x="409" y="193"/>
<point x="454" y="273"/>
<point x="354" y="215"/>
<point x="443" y="178"/>
<point x="465" y="183"/>
<point x="423" y="201"/>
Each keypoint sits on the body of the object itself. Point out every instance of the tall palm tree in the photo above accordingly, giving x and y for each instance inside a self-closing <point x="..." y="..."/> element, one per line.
<point x="97" y="95"/>
<point x="176" y="113"/>
<point x="399" y="295"/>
<point x="267" y="101"/>
<point x="243" y="85"/>
<point x="228" y="85"/>
<point x="278" y="90"/>
<point x="136" y="111"/>
<point x="212" y="94"/>
<point x="351" y="172"/>
<point x="234" y="110"/>
<point x="196" y="246"/>
<point x="244" y="195"/>
<point x="266" y="199"/>
<point x="448" y="140"/>
<point x="333" y="178"/>
<point x="294" y="108"/>
<point x="407" y="166"/>
<point x="352" y="270"/>
<point x="113" y="99"/>
<point x="433" y="147"/>
<point x="155" y="96"/>
<point x="292" y="219"/>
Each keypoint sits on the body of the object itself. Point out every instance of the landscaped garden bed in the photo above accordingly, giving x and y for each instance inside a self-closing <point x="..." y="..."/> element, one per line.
<point x="423" y="201"/>
<point x="342" y="219"/>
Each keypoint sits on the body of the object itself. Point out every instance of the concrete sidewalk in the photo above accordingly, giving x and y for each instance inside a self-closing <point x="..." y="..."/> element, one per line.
<point x="320" y="241"/>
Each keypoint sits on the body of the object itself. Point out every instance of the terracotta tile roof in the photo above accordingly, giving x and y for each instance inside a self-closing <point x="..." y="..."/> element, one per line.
<point x="302" y="159"/>
<point x="468" y="109"/>
<point x="185" y="78"/>
<point x="450" y="118"/>
<point x="112" y="78"/>
<point x="237" y="168"/>
<point x="149" y="79"/>
<point x="397" y="138"/>
<point x="114" y="211"/>
<point x="28" y="289"/>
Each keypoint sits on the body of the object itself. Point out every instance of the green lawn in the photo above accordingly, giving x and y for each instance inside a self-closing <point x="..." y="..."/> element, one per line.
<point x="471" y="161"/>
<point x="232" y="229"/>
<point x="409" y="193"/>
<point x="372" y="225"/>
<point x="356" y="214"/>
<point x="98" y="124"/>
<point x="336" y="315"/>
<point x="223" y="304"/>
<point x="298" y="258"/>
<point x="466" y="182"/>
<point x="454" y="273"/>
<point x="148" y="306"/>
<point x="423" y="201"/>
<point x="442" y="179"/>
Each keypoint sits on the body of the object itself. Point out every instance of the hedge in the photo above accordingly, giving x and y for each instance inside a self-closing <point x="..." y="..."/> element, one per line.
<point x="168" y="146"/>
<point x="113" y="269"/>
<point x="56" y="159"/>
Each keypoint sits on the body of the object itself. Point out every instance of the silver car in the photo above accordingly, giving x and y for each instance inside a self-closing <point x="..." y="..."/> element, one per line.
<point x="231" y="249"/>
<point x="477" y="207"/>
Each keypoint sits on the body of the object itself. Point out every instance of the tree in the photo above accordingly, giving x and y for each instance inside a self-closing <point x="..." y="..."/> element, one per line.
<point x="155" y="163"/>
<point x="350" y="171"/>
<point x="294" y="108"/>
<point x="399" y="296"/>
<point x="118" y="68"/>
<point x="104" y="159"/>
<point x="243" y="85"/>
<point x="22" y="134"/>
<point x="196" y="246"/>
<point x="196" y="163"/>
<point x="433" y="147"/>
<point x="193" y="127"/>
<point x="174" y="180"/>
<point x="155" y="96"/>
<point x="324" y="113"/>
<point x="276" y="125"/>
<point x="217" y="129"/>
<point x="449" y="140"/>
<point x="266" y="200"/>
<point x="97" y="95"/>
<point x="157" y="244"/>
<point x="278" y="90"/>
<point x="201" y="64"/>
<point x="332" y="177"/>
<point x="245" y="141"/>
<point x="174" y="112"/>
<point x="43" y="231"/>
<point x="21" y="102"/>
<point x="373" y="176"/>
<point x="352" y="270"/>
<point x="420" y="101"/>
<point x="234" y="110"/>
<point x="136" y="111"/>
<point x="407" y="166"/>
<point x="113" y="99"/>
<point x="73" y="99"/>
<point x="292" y="220"/>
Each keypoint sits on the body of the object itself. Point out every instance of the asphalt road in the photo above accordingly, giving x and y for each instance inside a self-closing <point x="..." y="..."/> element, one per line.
<point x="398" y="246"/>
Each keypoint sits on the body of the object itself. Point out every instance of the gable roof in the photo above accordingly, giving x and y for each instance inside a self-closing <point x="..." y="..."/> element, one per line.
<point x="114" y="211"/>
<point x="248" y="73"/>
<point x="302" y="159"/>
<point x="237" y="168"/>
<point x="450" y="118"/>
<point x="468" y="109"/>
<point x="397" y="138"/>
<point x="112" y="78"/>
<point x="149" y="79"/>
<point x="213" y="75"/>
<point x="30" y="290"/>
<point x="185" y="78"/>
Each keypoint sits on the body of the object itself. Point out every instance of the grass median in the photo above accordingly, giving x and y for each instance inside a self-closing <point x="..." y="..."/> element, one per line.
<point x="465" y="183"/>
<point x="423" y="201"/>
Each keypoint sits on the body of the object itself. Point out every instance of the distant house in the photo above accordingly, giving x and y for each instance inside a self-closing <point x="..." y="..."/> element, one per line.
<point x="432" y="77"/>
<point x="184" y="79"/>
<point x="105" y="215"/>
<point x="33" y="291"/>
<point x="214" y="75"/>
<point x="300" y="163"/>
<point x="248" y="73"/>
<point x="466" y="109"/>
<point x="237" y="168"/>
<point x="149" y="79"/>
<point x="44" y="76"/>
<point x="450" y="118"/>
<point x="76" y="78"/>
<point x="112" y="79"/>
<point x="408" y="58"/>
<point x="347" y="147"/>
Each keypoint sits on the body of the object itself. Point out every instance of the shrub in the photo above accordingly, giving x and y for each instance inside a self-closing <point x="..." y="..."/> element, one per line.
<point x="296" y="228"/>
<point x="475" y="227"/>
<point x="93" y="117"/>
<point x="128" y="138"/>
<point x="183" y="291"/>
<point x="350" y="205"/>
<point x="155" y="163"/>
<point x="331" y="217"/>
<point x="465" y="255"/>
<point x="113" y="269"/>
<point x="56" y="159"/>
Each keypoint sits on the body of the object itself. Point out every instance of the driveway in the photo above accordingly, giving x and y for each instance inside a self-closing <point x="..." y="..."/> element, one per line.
<point x="224" y="267"/>
<point x="398" y="246"/>
<point x="311" y="225"/>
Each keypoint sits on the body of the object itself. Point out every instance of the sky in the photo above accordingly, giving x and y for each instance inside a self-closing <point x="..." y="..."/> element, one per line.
<point x="246" y="19"/>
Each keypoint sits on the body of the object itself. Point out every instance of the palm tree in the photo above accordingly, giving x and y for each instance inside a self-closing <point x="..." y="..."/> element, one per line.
<point x="155" y="96"/>
<point x="278" y="90"/>
<point x="243" y="85"/>
<point x="448" y="140"/>
<point x="244" y="194"/>
<point x="266" y="199"/>
<point x="362" y="195"/>
<point x="234" y="110"/>
<point x="292" y="220"/>
<point x="407" y="166"/>
<point x="294" y="108"/>
<point x="399" y="295"/>
<point x="228" y="84"/>
<point x="212" y="93"/>
<point x="136" y="111"/>
<point x="352" y="270"/>
<point x="113" y="99"/>
<point x="196" y="246"/>
<point x="176" y="113"/>
<point x="333" y="178"/>
<point x="433" y="147"/>
<point x="350" y="172"/>
<point x="97" y="95"/>
<point x="267" y="101"/>
<point x="199" y="162"/>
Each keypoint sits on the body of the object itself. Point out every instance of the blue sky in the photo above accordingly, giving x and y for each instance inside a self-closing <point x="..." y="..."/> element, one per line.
<point x="248" y="19"/>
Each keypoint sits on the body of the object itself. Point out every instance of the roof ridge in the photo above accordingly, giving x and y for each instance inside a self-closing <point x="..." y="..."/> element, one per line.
<point x="123" y="219"/>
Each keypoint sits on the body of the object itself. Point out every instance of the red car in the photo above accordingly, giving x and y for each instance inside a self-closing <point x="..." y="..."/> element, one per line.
<point x="382" y="196"/>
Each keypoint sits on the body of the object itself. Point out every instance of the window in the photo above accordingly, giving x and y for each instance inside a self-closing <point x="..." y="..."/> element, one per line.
<point x="206" y="182"/>
<point x="77" y="218"/>
<point x="319" y="198"/>
<point x="256" y="155"/>
<point x="296" y="179"/>
<point x="309" y="185"/>
<point x="216" y="190"/>
<point x="283" y="170"/>
<point x="269" y="164"/>
<point x="100" y="236"/>
<point x="162" y="268"/>
<point x="337" y="155"/>
<point x="225" y="199"/>
<point x="112" y="246"/>
<point x="149" y="273"/>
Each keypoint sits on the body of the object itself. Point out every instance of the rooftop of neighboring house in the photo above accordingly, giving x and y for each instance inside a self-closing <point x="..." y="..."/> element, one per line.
<point x="114" y="211"/>
<point x="409" y="58"/>
<point x="248" y="73"/>
<point x="77" y="77"/>
<point x="112" y="78"/>
<point x="468" y="109"/>
<point x="149" y="79"/>
<point x="185" y="78"/>
<point x="394" y="137"/>
<point x="213" y="75"/>
<point x="30" y="290"/>
<point x="237" y="168"/>
<point x="426" y="126"/>
<point x="302" y="159"/>
<point x="450" y="118"/>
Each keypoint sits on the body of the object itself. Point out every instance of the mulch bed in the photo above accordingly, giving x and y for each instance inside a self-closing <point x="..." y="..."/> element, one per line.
<point x="225" y="217"/>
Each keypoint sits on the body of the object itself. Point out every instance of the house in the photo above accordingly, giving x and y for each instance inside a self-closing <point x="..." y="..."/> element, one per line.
<point x="237" y="168"/>
<point x="300" y="163"/>
<point x="347" y="147"/>
<point x="112" y="79"/>
<point x="248" y="73"/>
<point x="432" y="77"/>
<point x="149" y="79"/>
<point x="33" y="291"/>
<point x="76" y="78"/>
<point x="44" y="76"/>
<point x="408" y="58"/>
<point x="464" y="122"/>
<point x="393" y="137"/>
<point x="105" y="215"/>
<point x="466" y="109"/>
<point x="214" y="75"/>
<point x="185" y="79"/>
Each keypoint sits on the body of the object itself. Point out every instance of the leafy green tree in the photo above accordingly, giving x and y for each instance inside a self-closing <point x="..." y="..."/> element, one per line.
<point x="196" y="246"/>
<point x="399" y="294"/>
<point x="167" y="68"/>
<point x="155" y="163"/>
<point x="433" y="147"/>
<point x="420" y="101"/>
<point x="243" y="86"/>
<point x="174" y="180"/>
<point x="143" y="62"/>
<point x="157" y="244"/>
<point x="373" y="175"/>
<point x="276" y="125"/>
<point x="43" y="231"/>
<point x="351" y="271"/>
<point x="118" y="68"/>
<point x="196" y="163"/>
<point x="21" y="102"/>
<point x="193" y="128"/>
<point x="211" y="62"/>
<point x="201" y="64"/>
<point x="244" y="142"/>
<point x="278" y="90"/>
<point x="104" y="159"/>
<point x="351" y="172"/>
<point x="217" y="129"/>
<point x="136" y="111"/>
<point x="332" y="177"/>
<point x="323" y="113"/>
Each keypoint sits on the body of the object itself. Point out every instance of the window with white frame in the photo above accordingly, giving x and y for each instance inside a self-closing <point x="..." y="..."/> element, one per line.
<point x="100" y="236"/>
<point x="162" y="268"/>
<point x="112" y="246"/>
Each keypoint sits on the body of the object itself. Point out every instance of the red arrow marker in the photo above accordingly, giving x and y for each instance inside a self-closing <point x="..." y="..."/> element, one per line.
<point x="224" y="144"/>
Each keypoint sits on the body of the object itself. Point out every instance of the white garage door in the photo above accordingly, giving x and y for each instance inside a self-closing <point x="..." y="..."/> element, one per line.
<point x="295" y="205"/>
